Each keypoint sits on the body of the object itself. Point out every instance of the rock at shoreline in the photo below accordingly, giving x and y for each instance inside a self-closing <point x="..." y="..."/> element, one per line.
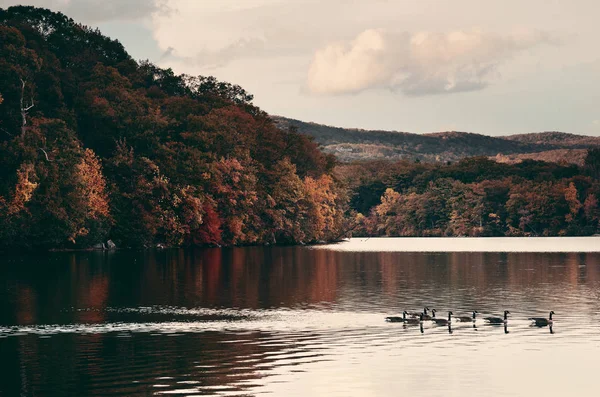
<point x="99" y="247"/>
<point x="111" y="245"/>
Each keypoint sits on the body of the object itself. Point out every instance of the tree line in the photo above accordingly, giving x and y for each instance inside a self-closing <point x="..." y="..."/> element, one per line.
<point x="475" y="197"/>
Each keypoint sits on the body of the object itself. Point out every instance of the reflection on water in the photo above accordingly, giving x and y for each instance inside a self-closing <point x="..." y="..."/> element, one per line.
<point x="296" y="321"/>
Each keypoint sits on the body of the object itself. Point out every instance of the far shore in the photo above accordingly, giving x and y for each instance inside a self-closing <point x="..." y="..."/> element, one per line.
<point x="396" y="244"/>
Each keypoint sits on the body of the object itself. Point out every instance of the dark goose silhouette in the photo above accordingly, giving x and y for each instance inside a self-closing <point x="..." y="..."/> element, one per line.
<point x="541" y="321"/>
<point x="394" y="319"/>
<point x="404" y="319"/>
<point x="443" y="321"/>
<point x="428" y="317"/>
<point x="498" y="320"/>
<point x="432" y="317"/>
<point x="468" y="318"/>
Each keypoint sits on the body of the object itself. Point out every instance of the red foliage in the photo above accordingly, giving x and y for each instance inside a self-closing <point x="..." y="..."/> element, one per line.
<point x="210" y="230"/>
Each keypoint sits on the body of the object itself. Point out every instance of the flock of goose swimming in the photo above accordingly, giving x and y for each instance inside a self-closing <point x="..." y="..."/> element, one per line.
<point x="415" y="318"/>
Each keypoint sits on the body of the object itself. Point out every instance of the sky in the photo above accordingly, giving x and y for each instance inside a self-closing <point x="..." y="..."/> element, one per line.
<point x="491" y="67"/>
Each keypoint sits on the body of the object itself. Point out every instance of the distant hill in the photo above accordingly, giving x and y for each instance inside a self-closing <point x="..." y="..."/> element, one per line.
<point x="349" y="144"/>
<point x="562" y="139"/>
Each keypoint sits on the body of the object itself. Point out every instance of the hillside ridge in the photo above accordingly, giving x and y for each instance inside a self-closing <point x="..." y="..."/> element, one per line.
<point x="351" y="144"/>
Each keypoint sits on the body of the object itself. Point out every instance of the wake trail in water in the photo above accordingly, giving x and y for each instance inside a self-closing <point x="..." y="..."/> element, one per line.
<point x="203" y="320"/>
<point x="179" y="321"/>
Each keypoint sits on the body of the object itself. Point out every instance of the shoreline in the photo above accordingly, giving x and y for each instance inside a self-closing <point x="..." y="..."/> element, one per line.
<point x="387" y="244"/>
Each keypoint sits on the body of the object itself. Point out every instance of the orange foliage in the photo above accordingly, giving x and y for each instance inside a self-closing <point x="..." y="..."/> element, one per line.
<point x="574" y="204"/>
<point x="92" y="186"/>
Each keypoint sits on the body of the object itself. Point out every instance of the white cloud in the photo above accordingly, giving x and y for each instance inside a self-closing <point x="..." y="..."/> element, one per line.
<point x="209" y="33"/>
<point x="339" y="68"/>
<point x="212" y="33"/>
<point x="416" y="64"/>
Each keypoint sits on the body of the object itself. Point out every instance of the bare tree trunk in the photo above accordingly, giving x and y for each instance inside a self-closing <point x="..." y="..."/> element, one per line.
<point x="24" y="112"/>
<point x="24" y="109"/>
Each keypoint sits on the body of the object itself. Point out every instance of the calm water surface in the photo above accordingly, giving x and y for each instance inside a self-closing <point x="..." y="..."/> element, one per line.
<point x="296" y="321"/>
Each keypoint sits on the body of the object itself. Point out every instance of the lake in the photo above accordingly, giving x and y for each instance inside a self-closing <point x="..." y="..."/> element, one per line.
<point x="298" y="321"/>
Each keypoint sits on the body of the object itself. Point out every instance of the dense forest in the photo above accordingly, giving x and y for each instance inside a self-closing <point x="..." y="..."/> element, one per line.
<point x="475" y="197"/>
<point x="96" y="146"/>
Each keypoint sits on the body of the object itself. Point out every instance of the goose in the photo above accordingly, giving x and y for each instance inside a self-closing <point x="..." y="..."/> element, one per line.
<point x="541" y="321"/>
<point x="432" y="317"/>
<point x="468" y="318"/>
<point x="498" y="320"/>
<point x="403" y="319"/>
<point x="443" y="321"/>
<point x="427" y="316"/>
<point x="394" y="319"/>
<point x="414" y="321"/>
<point x="415" y="314"/>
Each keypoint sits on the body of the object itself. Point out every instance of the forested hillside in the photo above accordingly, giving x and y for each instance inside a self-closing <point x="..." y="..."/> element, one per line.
<point x="475" y="197"/>
<point x="97" y="146"/>
<point x="349" y="144"/>
<point x="558" y="139"/>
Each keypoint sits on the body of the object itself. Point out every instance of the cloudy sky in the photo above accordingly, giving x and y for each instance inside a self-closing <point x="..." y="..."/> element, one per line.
<point x="493" y="67"/>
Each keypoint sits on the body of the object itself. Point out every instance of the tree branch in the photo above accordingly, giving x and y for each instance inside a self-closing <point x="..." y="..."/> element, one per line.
<point x="6" y="132"/>
<point x="346" y="231"/>
<point x="46" y="154"/>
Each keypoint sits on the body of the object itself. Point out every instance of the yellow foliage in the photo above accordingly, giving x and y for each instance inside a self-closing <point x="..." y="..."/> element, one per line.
<point x="388" y="201"/>
<point x="24" y="189"/>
